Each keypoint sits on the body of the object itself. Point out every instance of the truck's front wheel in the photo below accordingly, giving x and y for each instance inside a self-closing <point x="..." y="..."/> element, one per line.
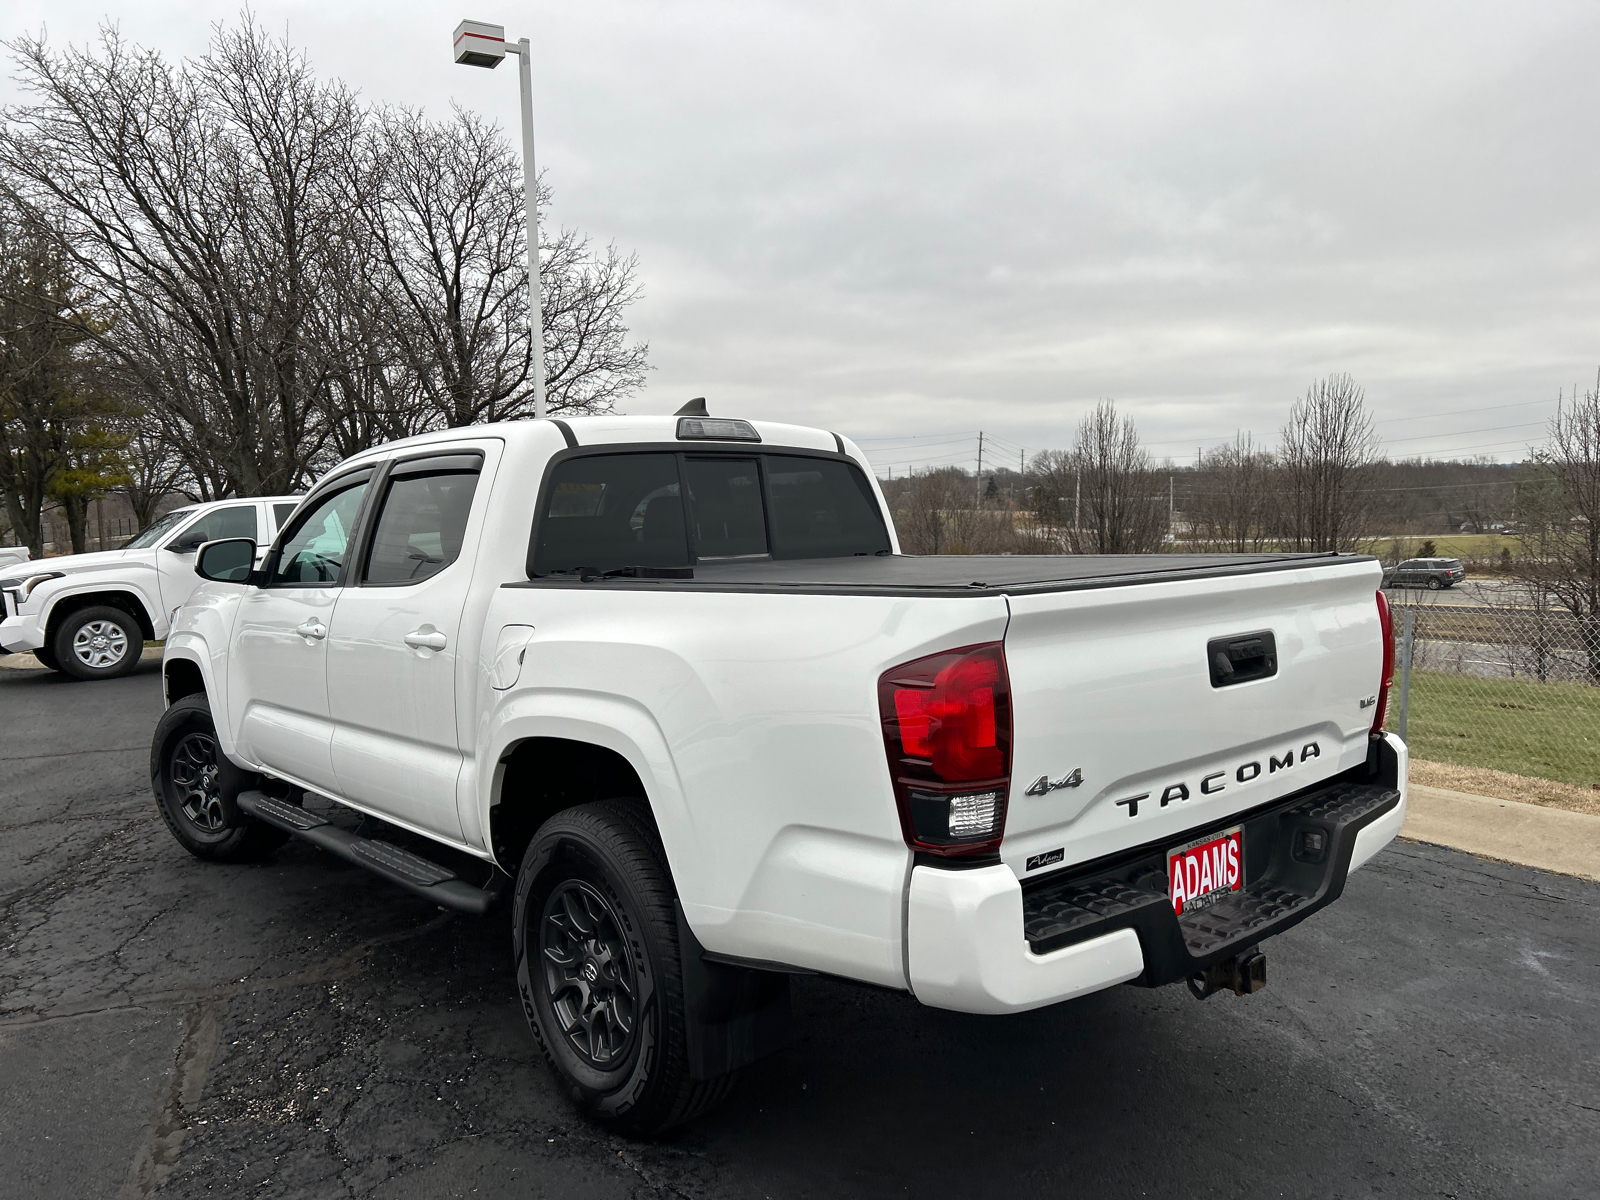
<point x="599" y="967"/>
<point x="97" y="643"/>
<point x="195" y="787"/>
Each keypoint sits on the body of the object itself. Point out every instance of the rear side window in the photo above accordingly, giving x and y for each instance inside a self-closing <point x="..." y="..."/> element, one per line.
<point x="423" y="519"/>
<point x="613" y="510"/>
<point x="821" y="508"/>
<point x="608" y="511"/>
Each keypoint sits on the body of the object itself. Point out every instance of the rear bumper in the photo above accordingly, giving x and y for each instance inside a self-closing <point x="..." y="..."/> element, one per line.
<point x="976" y="942"/>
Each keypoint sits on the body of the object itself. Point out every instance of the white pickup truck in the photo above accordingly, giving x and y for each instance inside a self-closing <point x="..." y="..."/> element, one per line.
<point x="669" y="684"/>
<point x="88" y="615"/>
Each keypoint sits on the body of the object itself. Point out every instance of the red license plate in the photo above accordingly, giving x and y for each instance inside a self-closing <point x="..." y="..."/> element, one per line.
<point x="1204" y="871"/>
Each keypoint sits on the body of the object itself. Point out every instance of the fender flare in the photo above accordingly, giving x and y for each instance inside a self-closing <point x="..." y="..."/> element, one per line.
<point x="151" y="612"/>
<point x="611" y="722"/>
<point x="189" y="647"/>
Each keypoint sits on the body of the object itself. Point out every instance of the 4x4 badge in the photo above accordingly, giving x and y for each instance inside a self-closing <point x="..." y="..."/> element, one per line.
<point x="1043" y="787"/>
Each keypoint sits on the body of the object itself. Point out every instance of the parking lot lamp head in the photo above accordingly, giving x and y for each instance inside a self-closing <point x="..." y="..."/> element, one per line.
<point x="480" y="44"/>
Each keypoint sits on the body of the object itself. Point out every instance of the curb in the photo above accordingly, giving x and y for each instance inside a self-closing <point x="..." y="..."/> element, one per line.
<point x="1530" y="835"/>
<point x="27" y="662"/>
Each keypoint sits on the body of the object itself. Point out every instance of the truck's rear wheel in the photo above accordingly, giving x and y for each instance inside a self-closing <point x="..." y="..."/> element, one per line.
<point x="97" y="643"/>
<point x="598" y="965"/>
<point x="196" y="786"/>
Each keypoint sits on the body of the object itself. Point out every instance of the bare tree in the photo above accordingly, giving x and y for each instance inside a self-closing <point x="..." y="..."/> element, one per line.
<point x="154" y="468"/>
<point x="1326" y="458"/>
<point x="1231" y="508"/>
<point x="295" y="277"/>
<point x="202" y="207"/>
<point x="447" y="219"/>
<point x="1559" y="507"/>
<point x="1102" y="497"/>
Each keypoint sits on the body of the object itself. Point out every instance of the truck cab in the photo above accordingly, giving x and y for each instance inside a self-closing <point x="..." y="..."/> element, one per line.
<point x="89" y="615"/>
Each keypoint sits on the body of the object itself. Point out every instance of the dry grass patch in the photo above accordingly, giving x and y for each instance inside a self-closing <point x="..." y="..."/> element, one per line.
<point x="1482" y="781"/>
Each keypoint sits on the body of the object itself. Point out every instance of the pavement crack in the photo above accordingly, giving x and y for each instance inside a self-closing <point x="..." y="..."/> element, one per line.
<point x="71" y="753"/>
<point x="158" y="1154"/>
<point x="340" y="967"/>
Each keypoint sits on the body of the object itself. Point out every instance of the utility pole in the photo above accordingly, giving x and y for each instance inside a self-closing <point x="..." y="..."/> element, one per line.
<point x="479" y="44"/>
<point x="1077" y="501"/>
<point x="1171" y="494"/>
<point x="978" y="498"/>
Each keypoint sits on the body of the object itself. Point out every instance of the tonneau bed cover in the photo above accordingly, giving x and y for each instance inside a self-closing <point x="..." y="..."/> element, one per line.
<point x="957" y="574"/>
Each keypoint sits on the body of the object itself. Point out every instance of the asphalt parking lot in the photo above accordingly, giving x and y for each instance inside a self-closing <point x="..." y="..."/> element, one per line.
<point x="298" y="1028"/>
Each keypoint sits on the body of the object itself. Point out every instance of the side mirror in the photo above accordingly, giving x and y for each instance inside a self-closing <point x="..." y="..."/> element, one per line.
<point x="229" y="560"/>
<point x="192" y="541"/>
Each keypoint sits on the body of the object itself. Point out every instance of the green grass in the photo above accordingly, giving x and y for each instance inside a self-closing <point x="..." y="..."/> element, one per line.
<point x="1466" y="545"/>
<point x="1547" y="730"/>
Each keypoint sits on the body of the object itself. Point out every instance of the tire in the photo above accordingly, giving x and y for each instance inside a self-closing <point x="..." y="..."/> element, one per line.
<point x="195" y="787"/>
<point x="1434" y="585"/>
<point x="97" y="643"/>
<point x="47" y="658"/>
<point x="598" y="964"/>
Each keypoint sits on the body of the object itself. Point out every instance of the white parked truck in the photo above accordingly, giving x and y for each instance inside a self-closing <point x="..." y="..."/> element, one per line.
<point x="669" y="685"/>
<point x="89" y="615"/>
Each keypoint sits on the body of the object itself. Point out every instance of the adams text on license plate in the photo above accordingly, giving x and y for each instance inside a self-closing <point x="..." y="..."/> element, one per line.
<point x="1205" y="870"/>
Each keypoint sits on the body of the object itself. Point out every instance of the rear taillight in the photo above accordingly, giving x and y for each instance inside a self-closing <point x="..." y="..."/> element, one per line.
<point x="1386" y="621"/>
<point x="947" y="730"/>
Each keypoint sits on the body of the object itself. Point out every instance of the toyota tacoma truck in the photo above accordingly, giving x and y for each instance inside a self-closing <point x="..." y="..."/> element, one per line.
<point x="668" y="687"/>
<point x="89" y="615"/>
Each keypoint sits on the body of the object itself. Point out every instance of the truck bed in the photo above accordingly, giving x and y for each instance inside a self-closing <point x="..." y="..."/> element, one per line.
<point x="957" y="574"/>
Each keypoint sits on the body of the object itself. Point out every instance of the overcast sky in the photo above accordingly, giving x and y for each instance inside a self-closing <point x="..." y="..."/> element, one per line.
<point x="909" y="222"/>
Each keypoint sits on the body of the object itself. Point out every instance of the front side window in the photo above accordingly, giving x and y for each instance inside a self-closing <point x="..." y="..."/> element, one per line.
<point x="314" y="551"/>
<point x="235" y="521"/>
<point x="610" y="511"/>
<point x="422" y="522"/>
<point x="282" y="512"/>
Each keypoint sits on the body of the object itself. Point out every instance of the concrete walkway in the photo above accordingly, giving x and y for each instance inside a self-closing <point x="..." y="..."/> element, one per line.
<point x="1552" y="839"/>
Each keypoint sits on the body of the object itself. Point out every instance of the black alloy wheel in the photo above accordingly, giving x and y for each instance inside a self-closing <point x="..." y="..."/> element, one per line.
<point x="194" y="773"/>
<point x="595" y="938"/>
<point x="589" y="973"/>
<point x="195" y="786"/>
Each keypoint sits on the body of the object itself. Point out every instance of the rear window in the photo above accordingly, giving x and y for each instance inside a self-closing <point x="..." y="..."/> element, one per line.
<point x="609" y="511"/>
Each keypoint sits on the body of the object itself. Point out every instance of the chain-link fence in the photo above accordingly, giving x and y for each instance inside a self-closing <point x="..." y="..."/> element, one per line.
<point x="1506" y="687"/>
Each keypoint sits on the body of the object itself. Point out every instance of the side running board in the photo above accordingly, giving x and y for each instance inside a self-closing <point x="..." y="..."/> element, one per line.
<point x="434" y="883"/>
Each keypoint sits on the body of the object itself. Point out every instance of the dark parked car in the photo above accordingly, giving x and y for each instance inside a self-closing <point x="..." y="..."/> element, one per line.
<point x="1431" y="573"/>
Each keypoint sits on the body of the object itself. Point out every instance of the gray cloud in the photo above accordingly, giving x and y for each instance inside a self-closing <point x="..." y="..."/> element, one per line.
<point x="904" y="219"/>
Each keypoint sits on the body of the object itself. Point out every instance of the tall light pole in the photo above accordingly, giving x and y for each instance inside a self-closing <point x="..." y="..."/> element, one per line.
<point x="478" y="44"/>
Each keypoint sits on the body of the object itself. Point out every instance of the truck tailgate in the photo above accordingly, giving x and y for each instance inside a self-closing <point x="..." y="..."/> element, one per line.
<point x="1117" y="685"/>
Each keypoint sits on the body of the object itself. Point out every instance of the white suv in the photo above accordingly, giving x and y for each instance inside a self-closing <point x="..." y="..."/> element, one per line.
<point x="89" y="615"/>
